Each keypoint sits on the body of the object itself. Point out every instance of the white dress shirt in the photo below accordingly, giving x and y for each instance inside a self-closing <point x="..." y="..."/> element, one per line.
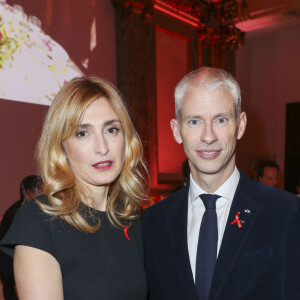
<point x="196" y="210"/>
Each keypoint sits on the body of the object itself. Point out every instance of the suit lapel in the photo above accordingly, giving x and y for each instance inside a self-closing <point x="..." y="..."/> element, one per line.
<point x="234" y="237"/>
<point x="177" y="226"/>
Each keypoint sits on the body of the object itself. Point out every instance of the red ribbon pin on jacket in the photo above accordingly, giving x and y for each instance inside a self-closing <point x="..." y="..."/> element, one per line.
<point x="237" y="219"/>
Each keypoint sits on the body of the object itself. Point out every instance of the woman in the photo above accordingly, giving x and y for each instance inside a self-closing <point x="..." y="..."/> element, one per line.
<point x="81" y="238"/>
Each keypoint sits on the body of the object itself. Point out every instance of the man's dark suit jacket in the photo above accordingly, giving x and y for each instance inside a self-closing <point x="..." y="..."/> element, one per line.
<point x="260" y="260"/>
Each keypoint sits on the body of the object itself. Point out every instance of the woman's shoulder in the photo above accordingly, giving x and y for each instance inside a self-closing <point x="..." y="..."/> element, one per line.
<point x="31" y="218"/>
<point x="31" y="227"/>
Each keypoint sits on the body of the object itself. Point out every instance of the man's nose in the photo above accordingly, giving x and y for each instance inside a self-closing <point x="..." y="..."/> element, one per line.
<point x="208" y="134"/>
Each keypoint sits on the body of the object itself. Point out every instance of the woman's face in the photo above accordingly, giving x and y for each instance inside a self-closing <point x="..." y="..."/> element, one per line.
<point x="96" y="150"/>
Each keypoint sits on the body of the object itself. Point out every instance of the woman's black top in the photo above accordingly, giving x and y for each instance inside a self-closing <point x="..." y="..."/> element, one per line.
<point x="96" y="266"/>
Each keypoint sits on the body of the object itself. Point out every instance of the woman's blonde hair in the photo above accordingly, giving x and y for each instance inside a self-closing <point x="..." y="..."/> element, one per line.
<point x="66" y="194"/>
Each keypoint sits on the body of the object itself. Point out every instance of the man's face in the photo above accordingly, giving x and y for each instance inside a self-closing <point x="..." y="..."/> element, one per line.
<point x="209" y="129"/>
<point x="30" y="194"/>
<point x="270" y="176"/>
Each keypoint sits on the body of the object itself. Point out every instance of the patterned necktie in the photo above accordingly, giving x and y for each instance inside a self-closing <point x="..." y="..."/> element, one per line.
<point x="207" y="246"/>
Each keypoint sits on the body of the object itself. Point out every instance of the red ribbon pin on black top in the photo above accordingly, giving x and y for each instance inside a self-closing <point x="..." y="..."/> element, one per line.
<point x="126" y="233"/>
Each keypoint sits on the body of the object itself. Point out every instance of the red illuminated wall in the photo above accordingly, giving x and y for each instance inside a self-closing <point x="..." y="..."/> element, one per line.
<point x="267" y="67"/>
<point x="171" y="66"/>
<point x="20" y="125"/>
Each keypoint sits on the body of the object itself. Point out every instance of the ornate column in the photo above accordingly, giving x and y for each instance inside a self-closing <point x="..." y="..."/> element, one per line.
<point x="136" y="61"/>
<point x="219" y="36"/>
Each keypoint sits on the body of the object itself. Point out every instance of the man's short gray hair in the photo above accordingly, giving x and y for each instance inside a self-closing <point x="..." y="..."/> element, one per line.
<point x="211" y="79"/>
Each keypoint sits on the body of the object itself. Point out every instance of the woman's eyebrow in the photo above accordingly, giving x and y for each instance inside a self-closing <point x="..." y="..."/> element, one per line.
<point x="109" y="122"/>
<point x="85" y="126"/>
<point x="106" y="123"/>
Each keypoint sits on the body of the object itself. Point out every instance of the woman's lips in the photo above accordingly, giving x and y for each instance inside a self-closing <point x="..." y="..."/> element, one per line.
<point x="103" y="165"/>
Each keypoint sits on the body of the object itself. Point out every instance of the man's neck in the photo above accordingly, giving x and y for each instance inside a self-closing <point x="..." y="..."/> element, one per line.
<point x="211" y="182"/>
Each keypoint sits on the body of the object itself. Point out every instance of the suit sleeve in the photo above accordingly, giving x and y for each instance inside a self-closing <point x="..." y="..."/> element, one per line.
<point x="291" y="257"/>
<point x="148" y="231"/>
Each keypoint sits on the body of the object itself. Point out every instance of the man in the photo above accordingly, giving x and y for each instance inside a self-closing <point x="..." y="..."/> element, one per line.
<point x="30" y="187"/>
<point x="185" y="171"/>
<point x="298" y="187"/>
<point x="249" y="245"/>
<point x="267" y="173"/>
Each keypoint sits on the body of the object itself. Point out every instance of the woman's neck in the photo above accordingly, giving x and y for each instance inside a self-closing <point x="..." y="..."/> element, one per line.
<point x="99" y="195"/>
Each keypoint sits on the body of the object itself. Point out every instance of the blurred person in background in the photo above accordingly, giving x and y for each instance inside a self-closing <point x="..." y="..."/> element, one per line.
<point x="30" y="187"/>
<point x="185" y="171"/>
<point x="298" y="187"/>
<point x="268" y="172"/>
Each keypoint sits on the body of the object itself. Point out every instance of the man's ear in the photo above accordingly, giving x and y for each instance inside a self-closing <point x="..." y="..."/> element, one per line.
<point x="176" y="131"/>
<point x="242" y="125"/>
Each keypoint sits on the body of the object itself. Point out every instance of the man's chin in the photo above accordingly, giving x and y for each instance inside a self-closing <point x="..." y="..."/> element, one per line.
<point x="209" y="170"/>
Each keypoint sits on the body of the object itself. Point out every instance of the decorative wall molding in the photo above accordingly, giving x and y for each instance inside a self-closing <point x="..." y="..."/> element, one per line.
<point x="263" y="14"/>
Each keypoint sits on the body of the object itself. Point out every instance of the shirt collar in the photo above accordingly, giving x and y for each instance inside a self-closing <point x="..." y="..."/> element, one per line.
<point x="226" y="190"/>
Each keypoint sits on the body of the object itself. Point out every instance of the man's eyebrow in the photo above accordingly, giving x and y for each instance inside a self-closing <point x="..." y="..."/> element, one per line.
<point x="223" y="114"/>
<point x="192" y="117"/>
